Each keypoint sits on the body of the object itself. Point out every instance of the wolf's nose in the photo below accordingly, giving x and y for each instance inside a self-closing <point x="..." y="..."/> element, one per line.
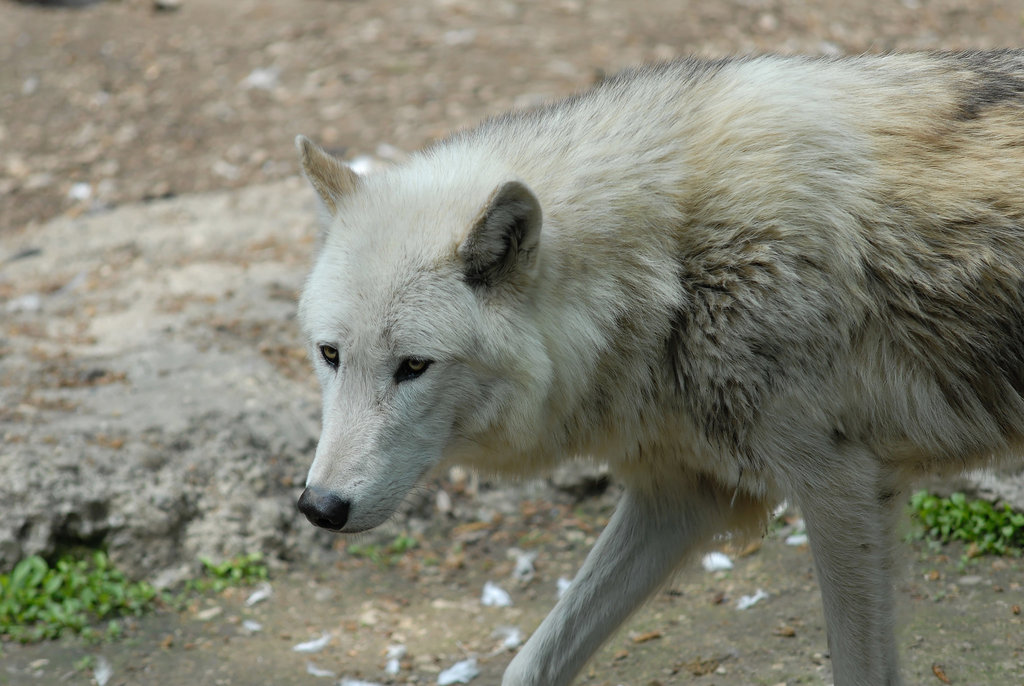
<point x="323" y="509"/>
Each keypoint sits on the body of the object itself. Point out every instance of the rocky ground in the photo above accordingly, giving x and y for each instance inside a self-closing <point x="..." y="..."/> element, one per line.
<point x="155" y="399"/>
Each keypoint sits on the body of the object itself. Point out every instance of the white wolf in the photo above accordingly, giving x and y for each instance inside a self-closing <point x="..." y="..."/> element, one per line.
<point x="734" y="281"/>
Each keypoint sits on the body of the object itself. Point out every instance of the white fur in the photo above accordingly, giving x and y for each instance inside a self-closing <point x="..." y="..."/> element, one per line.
<point x="730" y="298"/>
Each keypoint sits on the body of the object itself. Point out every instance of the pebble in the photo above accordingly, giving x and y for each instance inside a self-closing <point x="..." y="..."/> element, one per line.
<point x="209" y="613"/>
<point x="511" y="637"/>
<point x="460" y="673"/>
<point x="265" y="79"/>
<point x="395" y="654"/>
<point x="768" y="22"/>
<point x="80" y="191"/>
<point x="259" y="595"/>
<point x="443" y="502"/>
<point x="102" y="672"/>
<point x="750" y="600"/>
<point x="495" y="596"/>
<point x="30" y="302"/>
<point x="314" y="646"/>
<point x="313" y="670"/>
<point x="715" y="562"/>
<point x="523" y="571"/>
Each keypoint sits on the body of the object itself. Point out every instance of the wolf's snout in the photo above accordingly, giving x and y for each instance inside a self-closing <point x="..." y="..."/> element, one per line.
<point x="325" y="510"/>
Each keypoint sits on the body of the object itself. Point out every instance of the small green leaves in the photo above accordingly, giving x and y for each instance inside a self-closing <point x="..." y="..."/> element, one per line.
<point x="38" y="601"/>
<point x="384" y="556"/>
<point x="986" y="528"/>
<point x="237" y="571"/>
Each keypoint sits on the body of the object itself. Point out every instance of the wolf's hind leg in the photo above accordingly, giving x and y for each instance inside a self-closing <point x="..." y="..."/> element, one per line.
<point x="646" y="539"/>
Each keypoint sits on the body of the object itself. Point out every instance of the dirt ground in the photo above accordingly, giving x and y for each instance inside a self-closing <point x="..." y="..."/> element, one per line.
<point x="114" y="103"/>
<point x="961" y="625"/>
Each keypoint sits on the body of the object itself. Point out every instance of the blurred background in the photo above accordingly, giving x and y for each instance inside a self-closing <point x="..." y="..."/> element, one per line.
<point x="139" y="102"/>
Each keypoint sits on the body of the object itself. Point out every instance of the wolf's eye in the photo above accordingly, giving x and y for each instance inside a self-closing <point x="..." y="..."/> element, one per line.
<point x="330" y="355"/>
<point x="410" y="368"/>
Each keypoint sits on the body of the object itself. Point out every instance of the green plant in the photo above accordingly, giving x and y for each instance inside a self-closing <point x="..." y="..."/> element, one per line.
<point x="237" y="571"/>
<point x="84" y="663"/>
<point x="384" y="555"/>
<point x="988" y="529"/>
<point x="38" y="601"/>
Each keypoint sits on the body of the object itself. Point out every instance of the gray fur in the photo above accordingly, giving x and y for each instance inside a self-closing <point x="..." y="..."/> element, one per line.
<point x="734" y="281"/>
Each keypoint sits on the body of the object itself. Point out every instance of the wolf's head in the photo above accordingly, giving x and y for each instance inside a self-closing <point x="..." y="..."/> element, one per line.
<point x="417" y="317"/>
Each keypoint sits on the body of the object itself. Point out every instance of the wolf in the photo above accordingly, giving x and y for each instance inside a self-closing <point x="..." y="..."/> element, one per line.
<point x="733" y="281"/>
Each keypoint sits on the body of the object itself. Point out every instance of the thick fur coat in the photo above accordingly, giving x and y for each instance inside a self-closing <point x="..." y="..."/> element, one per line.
<point x="734" y="281"/>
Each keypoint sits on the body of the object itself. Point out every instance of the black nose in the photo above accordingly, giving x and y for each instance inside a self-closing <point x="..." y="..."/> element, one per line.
<point x="323" y="509"/>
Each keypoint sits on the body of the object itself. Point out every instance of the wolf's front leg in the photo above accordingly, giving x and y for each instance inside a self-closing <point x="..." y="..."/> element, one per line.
<point x="646" y="539"/>
<point x="851" y="512"/>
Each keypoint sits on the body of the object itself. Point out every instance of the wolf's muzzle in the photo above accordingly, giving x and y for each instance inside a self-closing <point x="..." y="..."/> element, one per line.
<point x="323" y="509"/>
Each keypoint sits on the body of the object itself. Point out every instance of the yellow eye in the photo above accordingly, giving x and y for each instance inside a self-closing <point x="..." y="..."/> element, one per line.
<point x="410" y="368"/>
<point x="330" y="355"/>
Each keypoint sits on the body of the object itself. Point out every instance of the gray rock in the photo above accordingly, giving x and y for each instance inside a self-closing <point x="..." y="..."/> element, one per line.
<point x="997" y="485"/>
<point x="581" y="478"/>
<point x="162" y="408"/>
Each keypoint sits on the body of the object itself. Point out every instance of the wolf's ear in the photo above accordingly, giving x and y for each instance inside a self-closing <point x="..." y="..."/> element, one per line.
<point x="504" y="238"/>
<point x="331" y="178"/>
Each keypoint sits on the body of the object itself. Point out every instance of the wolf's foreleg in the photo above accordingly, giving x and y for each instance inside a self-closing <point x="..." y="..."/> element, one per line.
<point x="850" y="523"/>
<point x="646" y="539"/>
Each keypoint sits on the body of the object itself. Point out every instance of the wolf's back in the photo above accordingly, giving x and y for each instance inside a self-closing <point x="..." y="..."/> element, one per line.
<point x="800" y="218"/>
